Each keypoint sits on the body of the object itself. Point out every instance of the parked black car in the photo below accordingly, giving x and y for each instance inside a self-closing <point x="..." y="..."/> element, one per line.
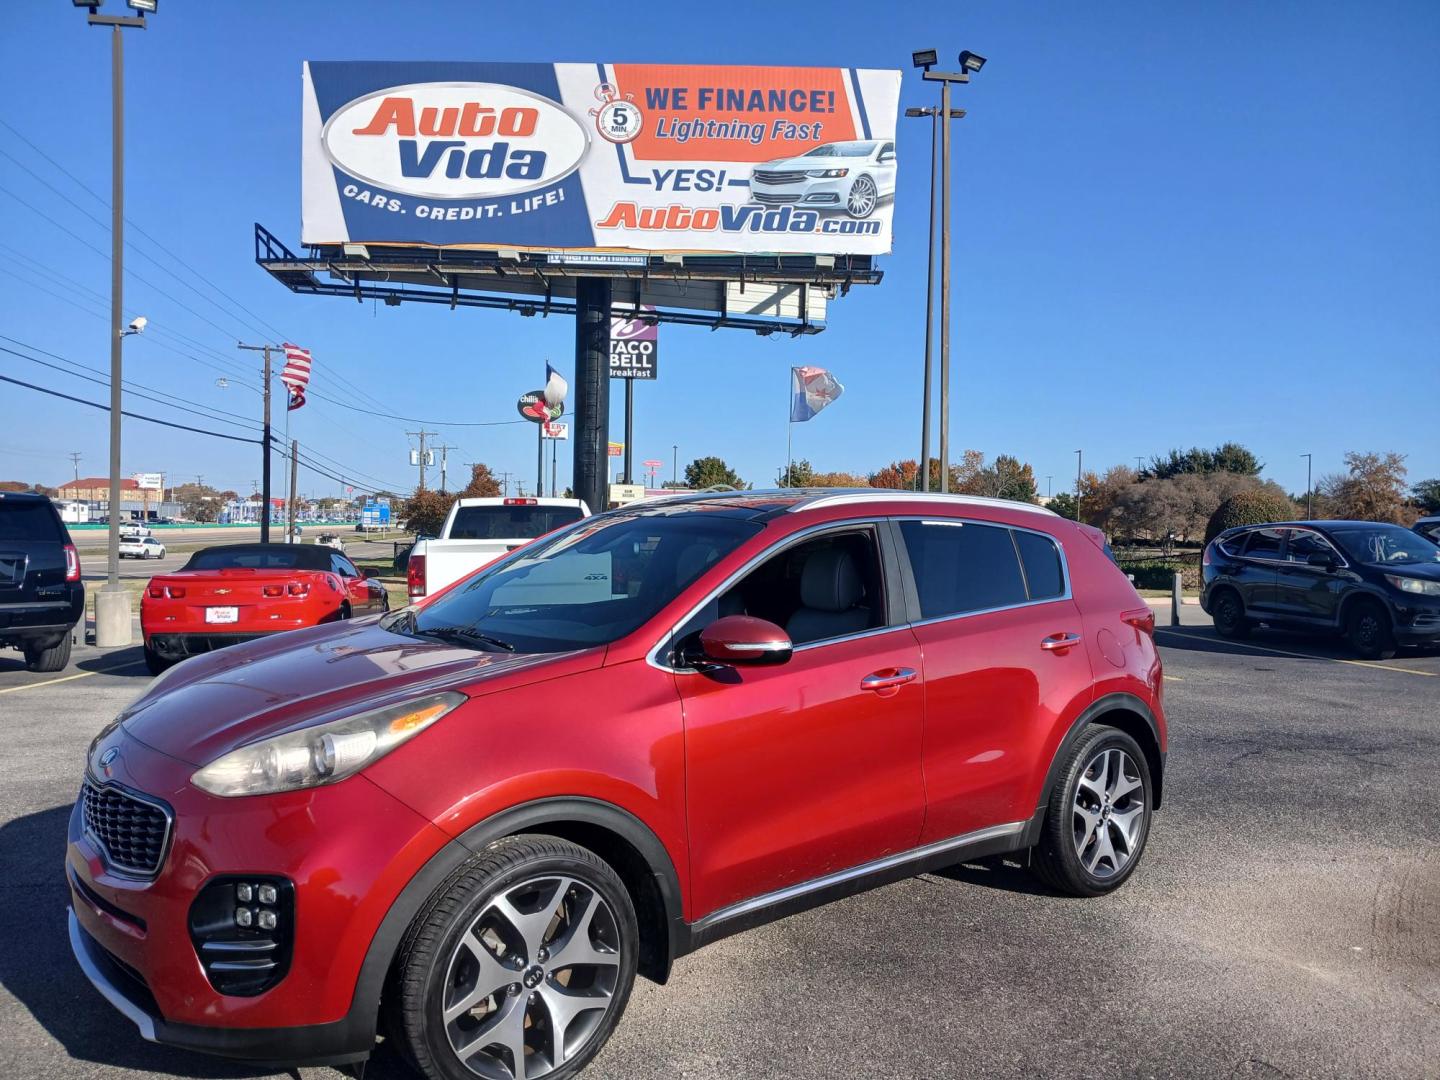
<point x="1377" y="584"/>
<point x="1429" y="527"/>
<point x="41" y="596"/>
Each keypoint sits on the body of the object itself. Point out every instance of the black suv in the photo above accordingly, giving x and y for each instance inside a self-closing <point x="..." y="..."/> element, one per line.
<point x="1377" y="584"/>
<point x="1429" y="527"/>
<point x="41" y="596"/>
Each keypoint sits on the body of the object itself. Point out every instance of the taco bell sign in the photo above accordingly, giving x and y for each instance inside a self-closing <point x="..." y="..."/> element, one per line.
<point x="634" y="345"/>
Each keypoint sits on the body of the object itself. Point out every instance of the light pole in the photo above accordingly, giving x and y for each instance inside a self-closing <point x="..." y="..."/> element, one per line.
<point x="969" y="62"/>
<point x="1048" y="477"/>
<point x="1309" y="488"/>
<point x="675" y="466"/>
<point x="1079" y="461"/>
<point x="112" y="603"/>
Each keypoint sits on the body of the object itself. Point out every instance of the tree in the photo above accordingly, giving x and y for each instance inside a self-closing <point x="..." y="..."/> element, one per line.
<point x="201" y="509"/>
<point x="1181" y="505"/>
<point x="799" y="475"/>
<point x="707" y="472"/>
<point x="424" y="512"/>
<point x="1228" y="457"/>
<point x="1256" y="506"/>
<point x="840" y="479"/>
<point x="483" y="484"/>
<point x="14" y="485"/>
<point x="902" y="475"/>
<point x="1373" y="490"/>
<point x="1063" y="504"/>
<point x="1100" y="503"/>
<point x="1427" y="496"/>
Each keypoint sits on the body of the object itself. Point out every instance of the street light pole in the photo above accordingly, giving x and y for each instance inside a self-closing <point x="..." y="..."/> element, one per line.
<point x="112" y="603"/>
<point x="1309" y="488"/>
<point x="265" y="437"/>
<point x="675" y="465"/>
<point x="1079" y="462"/>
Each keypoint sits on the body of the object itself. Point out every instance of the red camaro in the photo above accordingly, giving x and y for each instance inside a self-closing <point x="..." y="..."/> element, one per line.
<point x="225" y="595"/>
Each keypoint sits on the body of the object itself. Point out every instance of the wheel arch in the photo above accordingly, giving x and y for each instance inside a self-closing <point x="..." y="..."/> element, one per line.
<point x="1362" y="596"/>
<point x="1127" y="713"/>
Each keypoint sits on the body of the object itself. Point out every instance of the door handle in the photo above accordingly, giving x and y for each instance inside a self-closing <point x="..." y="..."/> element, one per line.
<point x="888" y="678"/>
<point x="1060" y="641"/>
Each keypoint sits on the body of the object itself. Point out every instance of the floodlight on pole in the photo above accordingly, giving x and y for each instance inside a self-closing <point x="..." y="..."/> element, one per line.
<point x="925" y="58"/>
<point x="971" y="61"/>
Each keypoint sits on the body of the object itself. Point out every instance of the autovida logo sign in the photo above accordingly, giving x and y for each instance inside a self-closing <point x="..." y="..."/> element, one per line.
<point x="455" y="140"/>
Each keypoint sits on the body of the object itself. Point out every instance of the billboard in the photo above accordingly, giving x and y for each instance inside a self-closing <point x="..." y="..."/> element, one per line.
<point x="639" y="157"/>
<point x="148" y="481"/>
<point x="635" y="345"/>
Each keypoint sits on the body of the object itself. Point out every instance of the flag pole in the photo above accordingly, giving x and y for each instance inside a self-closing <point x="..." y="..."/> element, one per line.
<point x="789" y="425"/>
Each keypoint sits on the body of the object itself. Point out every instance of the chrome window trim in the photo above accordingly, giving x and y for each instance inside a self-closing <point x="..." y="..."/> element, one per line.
<point x="822" y="502"/>
<point x="875" y="866"/>
<point x="652" y="657"/>
<point x="120" y="869"/>
<point x="1247" y="530"/>
<point x="1344" y="562"/>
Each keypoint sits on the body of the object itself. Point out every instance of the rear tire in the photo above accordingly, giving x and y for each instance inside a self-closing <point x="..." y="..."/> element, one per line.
<point x="52" y="659"/>
<point x="154" y="662"/>
<point x="1098" y="816"/>
<point x="480" y="953"/>
<point x="1367" y="627"/>
<point x="1228" y="612"/>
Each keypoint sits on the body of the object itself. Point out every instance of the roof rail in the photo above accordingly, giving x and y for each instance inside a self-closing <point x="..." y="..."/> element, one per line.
<point x="850" y="497"/>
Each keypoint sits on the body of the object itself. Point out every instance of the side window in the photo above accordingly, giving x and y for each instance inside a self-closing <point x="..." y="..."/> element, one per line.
<point x="1303" y="544"/>
<point x="827" y="587"/>
<point x="962" y="567"/>
<point x="1265" y="544"/>
<point x="339" y="564"/>
<point x="1044" y="576"/>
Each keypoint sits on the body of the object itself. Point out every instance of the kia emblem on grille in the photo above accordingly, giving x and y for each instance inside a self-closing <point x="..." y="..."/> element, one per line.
<point x="108" y="758"/>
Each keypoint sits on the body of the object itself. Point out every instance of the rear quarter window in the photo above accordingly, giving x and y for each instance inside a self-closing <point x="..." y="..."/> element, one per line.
<point x="29" y="522"/>
<point x="1044" y="574"/>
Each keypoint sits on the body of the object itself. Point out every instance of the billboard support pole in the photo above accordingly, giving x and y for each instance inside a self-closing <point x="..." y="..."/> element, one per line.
<point x="540" y="460"/>
<point x="944" y="289"/>
<point x="592" y="391"/>
<point x="924" y="470"/>
<point x="629" y="431"/>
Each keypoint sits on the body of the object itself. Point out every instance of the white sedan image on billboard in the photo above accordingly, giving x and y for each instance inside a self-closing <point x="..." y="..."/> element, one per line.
<point x="854" y="177"/>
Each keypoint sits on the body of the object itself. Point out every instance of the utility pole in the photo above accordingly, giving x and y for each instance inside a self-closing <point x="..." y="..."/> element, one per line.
<point x="265" y="438"/>
<point x="1079" y="460"/>
<point x="112" y="603"/>
<point x="422" y="435"/>
<point x="294" y="460"/>
<point x="1309" y="488"/>
<point x="505" y="483"/>
<point x="675" y="466"/>
<point x="75" y="460"/>
<point x="445" y="464"/>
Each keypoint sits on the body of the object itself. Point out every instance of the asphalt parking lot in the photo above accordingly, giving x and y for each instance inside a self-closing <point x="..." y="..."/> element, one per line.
<point x="1285" y="922"/>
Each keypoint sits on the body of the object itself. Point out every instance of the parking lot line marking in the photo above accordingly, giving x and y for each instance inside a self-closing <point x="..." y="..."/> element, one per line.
<point x="1369" y="665"/>
<point x="48" y="682"/>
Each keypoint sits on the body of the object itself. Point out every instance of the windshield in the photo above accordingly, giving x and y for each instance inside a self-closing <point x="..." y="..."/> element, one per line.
<point x="844" y="149"/>
<point x="260" y="557"/>
<point x="590" y="585"/>
<point x="1385" y="545"/>
<point x="510" y="522"/>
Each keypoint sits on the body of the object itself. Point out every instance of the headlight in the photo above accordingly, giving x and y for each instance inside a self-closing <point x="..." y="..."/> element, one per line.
<point x="324" y="753"/>
<point x="1418" y="586"/>
<point x="828" y="174"/>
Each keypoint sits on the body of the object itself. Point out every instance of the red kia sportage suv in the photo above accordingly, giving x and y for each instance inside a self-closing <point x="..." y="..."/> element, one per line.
<point x="474" y="820"/>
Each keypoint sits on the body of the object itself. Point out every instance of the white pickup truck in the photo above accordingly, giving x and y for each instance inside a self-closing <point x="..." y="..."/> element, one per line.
<point x="479" y="531"/>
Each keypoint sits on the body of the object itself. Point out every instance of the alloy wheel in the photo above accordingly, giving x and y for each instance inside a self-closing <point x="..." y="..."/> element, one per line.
<point x="1109" y="819"/>
<point x="861" y="201"/>
<point x="531" y="979"/>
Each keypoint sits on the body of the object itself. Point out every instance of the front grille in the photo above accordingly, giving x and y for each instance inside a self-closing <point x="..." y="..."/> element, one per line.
<point x="130" y="831"/>
<point x="777" y="177"/>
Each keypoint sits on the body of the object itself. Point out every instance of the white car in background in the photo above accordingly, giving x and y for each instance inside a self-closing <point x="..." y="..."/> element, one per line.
<point x="141" y="547"/>
<point x="850" y="176"/>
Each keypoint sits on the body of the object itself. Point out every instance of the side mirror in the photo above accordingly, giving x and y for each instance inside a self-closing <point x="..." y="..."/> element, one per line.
<point x="1322" y="560"/>
<point x="743" y="639"/>
<point x="369" y="572"/>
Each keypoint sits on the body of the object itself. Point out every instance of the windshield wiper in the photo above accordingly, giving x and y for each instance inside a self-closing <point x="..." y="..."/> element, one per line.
<point x="465" y="634"/>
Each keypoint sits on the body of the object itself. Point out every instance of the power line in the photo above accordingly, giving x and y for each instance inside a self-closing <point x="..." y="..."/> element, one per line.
<point x="126" y="412"/>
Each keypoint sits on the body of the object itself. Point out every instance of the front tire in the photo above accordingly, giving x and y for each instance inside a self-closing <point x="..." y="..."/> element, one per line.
<point x="53" y="658"/>
<point x="1228" y="612"/>
<point x="519" y="967"/>
<point x="863" y="198"/>
<point x="1368" y="630"/>
<point x="1098" y="816"/>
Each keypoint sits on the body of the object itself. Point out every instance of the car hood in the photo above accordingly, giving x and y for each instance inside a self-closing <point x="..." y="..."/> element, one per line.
<point x="213" y="703"/>
<point x="810" y="163"/>
<point x="1430" y="571"/>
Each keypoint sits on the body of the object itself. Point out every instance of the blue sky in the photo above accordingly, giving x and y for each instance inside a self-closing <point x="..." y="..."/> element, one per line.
<point x="1174" y="225"/>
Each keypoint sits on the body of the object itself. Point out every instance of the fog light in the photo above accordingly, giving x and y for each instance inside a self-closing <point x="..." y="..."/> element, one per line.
<point x="267" y="896"/>
<point x="267" y="920"/>
<point x="244" y="893"/>
<point x="244" y="948"/>
<point x="244" y="916"/>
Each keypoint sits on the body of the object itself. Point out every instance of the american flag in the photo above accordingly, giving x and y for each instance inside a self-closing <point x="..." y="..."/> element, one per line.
<point x="296" y="375"/>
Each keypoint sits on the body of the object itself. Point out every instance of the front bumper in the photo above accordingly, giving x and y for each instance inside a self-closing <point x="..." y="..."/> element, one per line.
<point x="349" y="849"/>
<point x="810" y="194"/>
